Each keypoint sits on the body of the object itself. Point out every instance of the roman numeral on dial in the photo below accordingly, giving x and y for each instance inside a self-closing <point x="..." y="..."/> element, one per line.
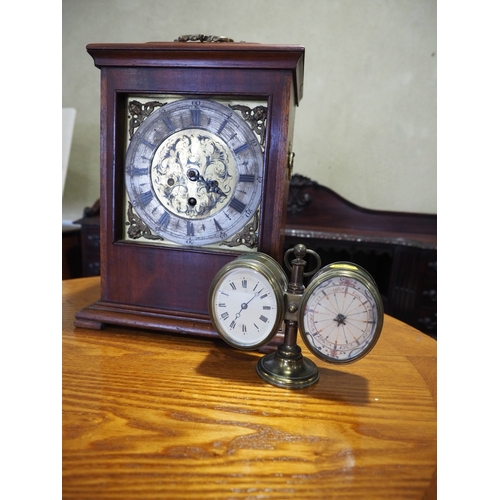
<point x="237" y="205"/>
<point x="149" y="144"/>
<point x="217" y="225"/>
<point x="240" y="149"/>
<point x="195" y="117"/>
<point x="140" y="171"/>
<point x="168" y="123"/>
<point x="145" y="198"/>
<point x="222" y="126"/>
<point x="164" y="220"/>
<point x="247" y="178"/>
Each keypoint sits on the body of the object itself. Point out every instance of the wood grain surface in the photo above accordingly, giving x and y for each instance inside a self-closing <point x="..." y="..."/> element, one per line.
<point x="160" y="416"/>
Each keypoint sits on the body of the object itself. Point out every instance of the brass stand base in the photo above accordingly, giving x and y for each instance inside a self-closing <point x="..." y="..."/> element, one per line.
<point x="287" y="368"/>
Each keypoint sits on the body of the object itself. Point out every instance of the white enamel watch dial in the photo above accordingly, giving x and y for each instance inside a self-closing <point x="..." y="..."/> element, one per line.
<point x="341" y="313"/>
<point x="246" y="301"/>
<point x="194" y="172"/>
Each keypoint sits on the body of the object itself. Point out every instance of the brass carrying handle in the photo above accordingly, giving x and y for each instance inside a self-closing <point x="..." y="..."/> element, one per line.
<point x="203" y="38"/>
<point x="300" y="252"/>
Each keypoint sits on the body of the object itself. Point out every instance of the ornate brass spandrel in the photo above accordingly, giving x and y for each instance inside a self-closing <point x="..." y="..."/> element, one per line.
<point x="247" y="237"/>
<point x="136" y="227"/>
<point x="256" y="118"/>
<point x="138" y="112"/>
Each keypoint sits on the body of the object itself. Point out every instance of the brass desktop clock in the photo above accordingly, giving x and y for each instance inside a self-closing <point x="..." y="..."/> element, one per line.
<point x="196" y="150"/>
<point x="339" y="315"/>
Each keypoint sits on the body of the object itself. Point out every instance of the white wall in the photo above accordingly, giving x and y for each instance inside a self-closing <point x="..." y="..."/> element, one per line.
<point x="366" y="126"/>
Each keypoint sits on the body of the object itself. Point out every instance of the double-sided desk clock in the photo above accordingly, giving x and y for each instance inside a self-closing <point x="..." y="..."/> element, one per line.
<point x="196" y="158"/>
<point x="339" y="315"/>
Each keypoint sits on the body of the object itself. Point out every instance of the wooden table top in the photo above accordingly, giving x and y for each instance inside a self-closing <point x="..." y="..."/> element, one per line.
<point x="149" y="415"/>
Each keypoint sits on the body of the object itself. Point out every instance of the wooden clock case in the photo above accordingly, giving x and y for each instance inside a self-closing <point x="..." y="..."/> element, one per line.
<point x="166" y="288"/>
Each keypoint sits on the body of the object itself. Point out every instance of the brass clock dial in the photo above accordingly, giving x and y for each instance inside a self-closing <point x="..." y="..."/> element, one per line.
<point x="246" y="300"/>
<point x="341" y="313"/>
<point x="194" y="171"/>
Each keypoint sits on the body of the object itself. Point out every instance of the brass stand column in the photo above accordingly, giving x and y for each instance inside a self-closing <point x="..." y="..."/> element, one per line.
<point x="287" y="367"/>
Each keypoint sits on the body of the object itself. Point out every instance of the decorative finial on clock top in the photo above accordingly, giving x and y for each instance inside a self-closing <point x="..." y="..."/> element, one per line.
<point x="203" y="38"/>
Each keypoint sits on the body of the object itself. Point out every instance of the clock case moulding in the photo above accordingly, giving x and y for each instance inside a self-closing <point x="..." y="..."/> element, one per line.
<point x="166" y="288"/>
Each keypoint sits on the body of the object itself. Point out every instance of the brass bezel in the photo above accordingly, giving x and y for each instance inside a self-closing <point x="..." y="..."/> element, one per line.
<point x="272" y="272"/>
<point x="352" y="271"/>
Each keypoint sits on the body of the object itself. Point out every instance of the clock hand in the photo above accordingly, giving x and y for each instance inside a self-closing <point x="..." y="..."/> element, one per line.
<point x="340" y="319"/>
<point x="256" y="294"/>
<point x="245" y="304"/>
<point x="212" y="186"/>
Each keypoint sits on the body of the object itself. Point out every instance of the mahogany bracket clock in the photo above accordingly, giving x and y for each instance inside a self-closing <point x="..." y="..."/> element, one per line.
<point x="196" y="157"/>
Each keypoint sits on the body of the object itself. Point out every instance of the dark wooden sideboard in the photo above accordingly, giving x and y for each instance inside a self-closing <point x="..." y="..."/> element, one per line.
<point x="398" y="249"/>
